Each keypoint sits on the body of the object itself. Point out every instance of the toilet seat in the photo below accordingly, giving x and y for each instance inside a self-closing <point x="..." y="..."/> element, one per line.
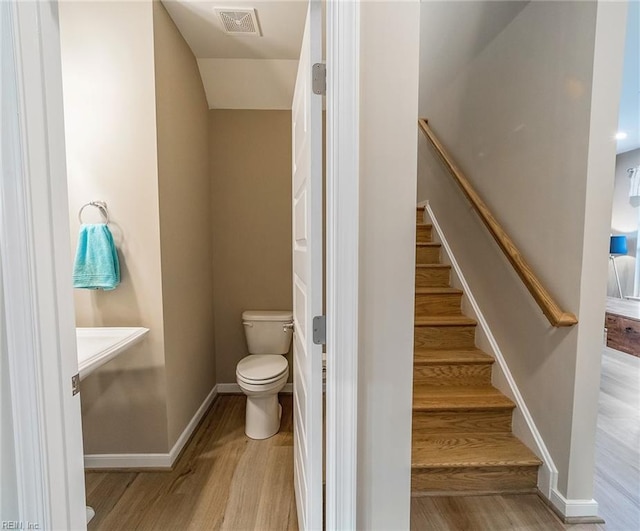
<point x="261" y="369"/>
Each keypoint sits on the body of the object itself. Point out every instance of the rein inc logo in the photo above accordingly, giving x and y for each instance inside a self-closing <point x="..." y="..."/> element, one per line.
<point x="18" y="524"/>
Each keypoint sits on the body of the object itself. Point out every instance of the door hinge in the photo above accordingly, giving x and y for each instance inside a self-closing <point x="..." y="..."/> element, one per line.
<point x="320" y="330"/>
<point x="75" y="384"/>
<point x="319" y="79"/>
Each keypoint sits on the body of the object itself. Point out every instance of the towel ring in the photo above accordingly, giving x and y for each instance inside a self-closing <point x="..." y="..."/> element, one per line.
<point x="100" y="205"/>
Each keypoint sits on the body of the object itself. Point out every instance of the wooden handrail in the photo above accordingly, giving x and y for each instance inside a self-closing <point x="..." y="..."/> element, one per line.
<point x="550" y="308"/>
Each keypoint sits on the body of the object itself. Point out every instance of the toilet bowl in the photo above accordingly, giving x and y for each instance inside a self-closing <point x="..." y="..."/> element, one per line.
<point x="264" y="372"/>
<point x="261" y="380"/>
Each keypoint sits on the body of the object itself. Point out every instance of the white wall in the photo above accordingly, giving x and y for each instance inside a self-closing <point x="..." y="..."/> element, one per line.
<point x="603" y="120"/>
<point x="8" y="480"/>
<point x="512" y="92"/>
<point x="10" y="127"/>
<point x="624" y="220"/>
<point x="265" y="84"/>
<point x="388" y="118"/>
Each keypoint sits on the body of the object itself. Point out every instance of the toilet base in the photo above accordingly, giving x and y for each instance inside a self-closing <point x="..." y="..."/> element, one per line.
<point x="263" y="416"/>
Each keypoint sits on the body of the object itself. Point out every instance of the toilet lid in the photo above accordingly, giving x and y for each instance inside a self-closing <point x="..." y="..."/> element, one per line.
<point x="267" y="315"/>
<point x="260" y="367"/>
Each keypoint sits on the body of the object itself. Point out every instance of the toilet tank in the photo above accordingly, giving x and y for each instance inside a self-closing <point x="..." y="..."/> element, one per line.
<point x="268" y="331"/>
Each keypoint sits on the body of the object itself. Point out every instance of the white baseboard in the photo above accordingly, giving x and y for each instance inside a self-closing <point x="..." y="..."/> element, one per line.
<point x="164" y="460"/>
<point x="234" y="389"/>
<point x="523" y="424"/>
<point x="573" y="508"/>
<point x="134" y="461"/>
<point x="193" y="424"/>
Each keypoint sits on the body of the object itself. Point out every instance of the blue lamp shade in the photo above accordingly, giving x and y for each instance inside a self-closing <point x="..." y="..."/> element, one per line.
<point x="618" y="245"/>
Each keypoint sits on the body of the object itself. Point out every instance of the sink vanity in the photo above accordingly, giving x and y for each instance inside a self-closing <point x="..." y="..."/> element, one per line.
<point x="97" y="346"/>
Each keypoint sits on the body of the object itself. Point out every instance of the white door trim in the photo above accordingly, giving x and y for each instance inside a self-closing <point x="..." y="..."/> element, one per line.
<point x="36" y="269"/>
<point x="342" y="194"/>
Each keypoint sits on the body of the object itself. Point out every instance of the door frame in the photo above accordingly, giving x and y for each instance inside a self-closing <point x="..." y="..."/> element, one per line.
<point x="36" y="264"/>
<point x="342" y="241"/>
<point x="35" y="238"/>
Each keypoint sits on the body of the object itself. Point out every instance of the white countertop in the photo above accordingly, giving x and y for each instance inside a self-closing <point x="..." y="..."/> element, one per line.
<point x="97" y="346"/>
<point x="624" y="307"/>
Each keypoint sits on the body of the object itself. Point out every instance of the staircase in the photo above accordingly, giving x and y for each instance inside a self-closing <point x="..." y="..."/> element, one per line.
<point x="462" y="440"/>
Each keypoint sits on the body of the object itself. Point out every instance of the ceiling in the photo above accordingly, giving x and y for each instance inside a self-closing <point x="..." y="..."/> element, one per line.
<point x="244" y="71"/>
<point x="629" y="118"/>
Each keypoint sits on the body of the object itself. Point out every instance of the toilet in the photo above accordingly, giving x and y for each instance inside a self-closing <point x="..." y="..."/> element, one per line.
<point x="263" y="373"/>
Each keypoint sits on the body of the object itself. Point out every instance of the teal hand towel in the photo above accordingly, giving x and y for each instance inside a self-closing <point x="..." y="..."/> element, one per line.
<point x="96" y="265"/>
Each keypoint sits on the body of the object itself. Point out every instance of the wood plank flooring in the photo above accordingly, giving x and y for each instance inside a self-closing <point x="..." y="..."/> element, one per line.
<point x="617" y="485"/>
<point x="223" y="480"/>
<point x="487" y="513"/>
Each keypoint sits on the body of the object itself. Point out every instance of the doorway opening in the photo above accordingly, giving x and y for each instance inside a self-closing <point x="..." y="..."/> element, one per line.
<point x="182" y="134"/>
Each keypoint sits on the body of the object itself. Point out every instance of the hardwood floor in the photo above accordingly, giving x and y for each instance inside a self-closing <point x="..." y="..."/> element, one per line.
<point x="617" y="485"/>
<point x="487" y="513"/>
<point x="223" y="480"/>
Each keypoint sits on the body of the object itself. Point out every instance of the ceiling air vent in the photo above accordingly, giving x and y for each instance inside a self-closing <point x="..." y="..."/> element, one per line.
<point x="239" y="21"/>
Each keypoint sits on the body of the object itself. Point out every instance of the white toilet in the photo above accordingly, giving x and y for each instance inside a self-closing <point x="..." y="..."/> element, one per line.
<point x="263" y="373"/>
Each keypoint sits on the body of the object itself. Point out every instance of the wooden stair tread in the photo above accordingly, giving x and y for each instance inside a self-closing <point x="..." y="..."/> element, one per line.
<point x="430" y="225"/>
<point x="451" y="357"/>
<point x="446" y="398"/>
<point x="428" y="244"/>
<point x="460" y="450"/>
<point x="445" y="320"/>
<point x="438" y="290"/>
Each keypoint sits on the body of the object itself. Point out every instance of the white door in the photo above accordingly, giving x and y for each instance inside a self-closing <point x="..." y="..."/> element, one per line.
<point x="307" y="277"/>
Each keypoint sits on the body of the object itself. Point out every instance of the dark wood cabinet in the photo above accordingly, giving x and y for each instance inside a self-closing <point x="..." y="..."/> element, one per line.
<point x="623" y="333"/>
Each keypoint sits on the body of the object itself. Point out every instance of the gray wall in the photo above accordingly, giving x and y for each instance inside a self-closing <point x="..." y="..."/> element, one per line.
<point x="512" y="91"/>
<point x="184" y="191"/>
